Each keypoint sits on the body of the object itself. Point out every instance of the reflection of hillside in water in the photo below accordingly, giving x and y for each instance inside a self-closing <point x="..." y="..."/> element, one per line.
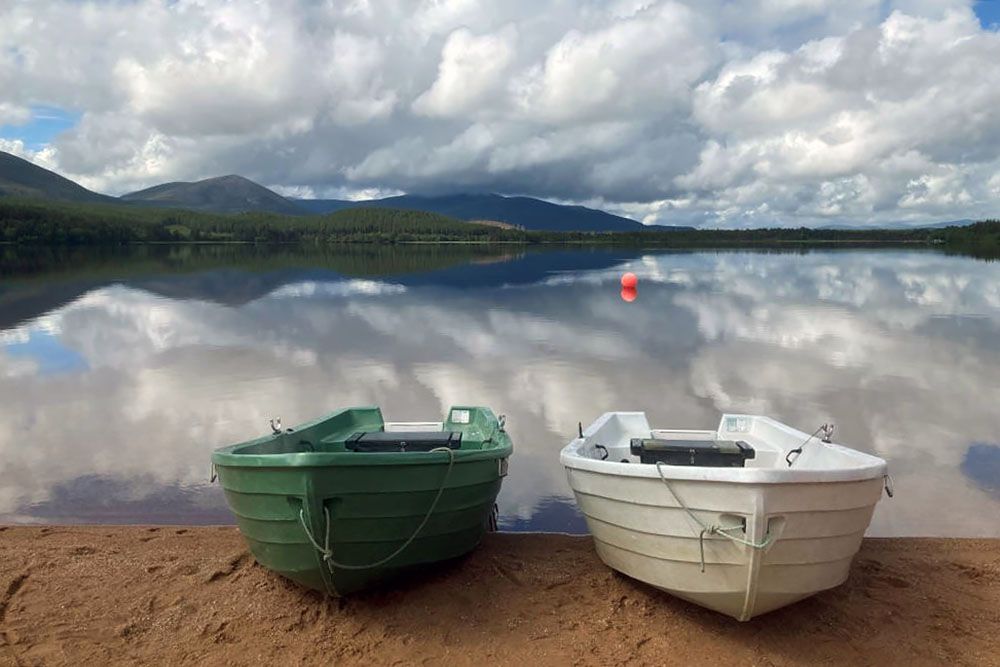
<point x="38" y="281"/>
<point x="899" y="349"/>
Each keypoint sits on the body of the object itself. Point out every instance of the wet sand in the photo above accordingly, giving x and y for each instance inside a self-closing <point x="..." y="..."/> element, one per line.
<point x="182" y="595"/>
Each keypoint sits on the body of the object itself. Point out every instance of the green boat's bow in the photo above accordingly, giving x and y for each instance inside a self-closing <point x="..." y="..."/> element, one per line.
<point x="348" y="500"/>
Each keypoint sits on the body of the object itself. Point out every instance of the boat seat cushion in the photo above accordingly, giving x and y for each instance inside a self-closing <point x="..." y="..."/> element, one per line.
<point x="403" y="441"/>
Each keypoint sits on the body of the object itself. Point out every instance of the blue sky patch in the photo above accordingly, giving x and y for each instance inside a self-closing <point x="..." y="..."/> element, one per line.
<point x="45" y="124"/>
<point x="988" y="12"/>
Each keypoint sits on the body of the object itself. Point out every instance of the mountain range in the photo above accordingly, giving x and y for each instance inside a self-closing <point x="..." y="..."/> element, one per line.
<point x="236" y="194"/>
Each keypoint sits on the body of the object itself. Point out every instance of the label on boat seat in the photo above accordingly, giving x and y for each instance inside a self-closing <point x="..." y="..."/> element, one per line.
<point x="460" y="416"/>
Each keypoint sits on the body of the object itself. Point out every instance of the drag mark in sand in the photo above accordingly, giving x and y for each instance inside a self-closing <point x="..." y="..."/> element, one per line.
<point x="12" y="589"/>
<point x="234" y="563"/>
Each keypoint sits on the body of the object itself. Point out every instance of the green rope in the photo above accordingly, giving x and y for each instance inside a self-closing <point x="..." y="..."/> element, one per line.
<point x="328" y="553"/>
<point x="713" y="529"/>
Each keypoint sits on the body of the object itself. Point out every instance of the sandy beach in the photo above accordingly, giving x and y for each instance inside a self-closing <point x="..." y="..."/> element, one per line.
<point x="183" y="595"/>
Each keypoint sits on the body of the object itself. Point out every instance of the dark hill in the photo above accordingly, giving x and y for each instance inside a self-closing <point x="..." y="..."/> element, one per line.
<point x="522" y="211"/>
<point x="20" y="178"/>
<point x="223" y="194"/>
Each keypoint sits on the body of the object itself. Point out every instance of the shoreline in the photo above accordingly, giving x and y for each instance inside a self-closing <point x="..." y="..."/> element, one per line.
<point x="595" y="243"/>
<point x="182" y="594"/>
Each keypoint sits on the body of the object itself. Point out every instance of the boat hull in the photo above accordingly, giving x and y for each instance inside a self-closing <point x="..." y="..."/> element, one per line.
<point x="373" y="510"/>
<point x="640" y="529"/>
<point x="338" y="520"/>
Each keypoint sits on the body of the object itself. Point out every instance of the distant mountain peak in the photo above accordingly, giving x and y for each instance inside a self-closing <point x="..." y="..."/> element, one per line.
<point x="228" y="178"/>
<point x="23" y="178"/>
<point x="222" y="194"/>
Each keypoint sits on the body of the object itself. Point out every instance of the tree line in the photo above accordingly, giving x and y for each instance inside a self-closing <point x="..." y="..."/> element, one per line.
<point x="44" y="223"/>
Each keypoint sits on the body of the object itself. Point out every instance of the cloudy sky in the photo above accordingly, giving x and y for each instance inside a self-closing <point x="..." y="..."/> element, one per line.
<point x="706" y="112"/>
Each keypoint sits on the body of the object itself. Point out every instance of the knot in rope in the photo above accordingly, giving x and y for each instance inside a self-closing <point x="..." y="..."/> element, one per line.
<point x="713" y="529"/>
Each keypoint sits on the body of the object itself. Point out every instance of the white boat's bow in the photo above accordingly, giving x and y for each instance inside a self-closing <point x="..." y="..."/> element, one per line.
<point x="720" y="517"/>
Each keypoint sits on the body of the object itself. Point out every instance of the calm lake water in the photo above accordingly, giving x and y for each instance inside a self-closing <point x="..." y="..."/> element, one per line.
<point x="119" y="373"/>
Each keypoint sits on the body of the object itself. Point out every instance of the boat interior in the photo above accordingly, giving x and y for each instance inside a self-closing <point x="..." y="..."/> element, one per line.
<point x="363" y="430"/>
<point x="749" y="441"/>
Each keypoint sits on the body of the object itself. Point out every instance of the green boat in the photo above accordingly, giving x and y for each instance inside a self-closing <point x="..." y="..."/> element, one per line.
<point x="349" y="501"/>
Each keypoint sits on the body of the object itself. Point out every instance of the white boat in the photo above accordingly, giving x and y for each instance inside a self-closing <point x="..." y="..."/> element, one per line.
<point x="743" y="540"/>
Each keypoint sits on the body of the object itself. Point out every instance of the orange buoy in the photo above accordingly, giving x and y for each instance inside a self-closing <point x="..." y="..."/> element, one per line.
<point x="629" y="294"/>
<point x="629" y="281"/>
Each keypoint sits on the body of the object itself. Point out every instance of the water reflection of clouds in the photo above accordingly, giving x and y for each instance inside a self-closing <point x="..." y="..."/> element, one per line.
<point x="867" y="339"/>
<point x="313" y="288"/>
<point x="47" y="352"/>
<point x="982" y="465"/>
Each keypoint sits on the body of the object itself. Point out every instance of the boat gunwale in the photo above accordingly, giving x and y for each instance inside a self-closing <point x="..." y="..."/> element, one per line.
<point x="869" y="467"/>
<point x="498" y="446"/>
<point x="225" y="459"/>
<point x="715" y="475"/>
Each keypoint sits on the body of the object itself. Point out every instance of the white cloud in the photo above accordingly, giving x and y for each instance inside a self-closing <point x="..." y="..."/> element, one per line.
<point x="639" y="65"/>
<point x="811" y="132"/>
<point x="12" y="114"/>
<point x="44" y="157"/>
<point x="764" y="111"/>
<point x="471" y="67"/>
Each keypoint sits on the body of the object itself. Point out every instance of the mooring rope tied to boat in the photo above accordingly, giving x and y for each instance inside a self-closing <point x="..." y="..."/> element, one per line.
<point x="328" y="552"/>
<point x="825" y="429"/>
<point x="713" y="529"/>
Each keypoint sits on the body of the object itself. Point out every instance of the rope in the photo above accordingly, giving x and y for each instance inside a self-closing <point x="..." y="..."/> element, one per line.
<point x="494" y="520"/>
<point x="328" y="553"/>
<point x="712" y="529"/>
<point x="798" y="450"/>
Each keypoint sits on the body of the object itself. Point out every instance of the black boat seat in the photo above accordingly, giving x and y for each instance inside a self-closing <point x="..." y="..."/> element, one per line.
<point x="713" y="453"/>
<point x="403" y="441"/>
